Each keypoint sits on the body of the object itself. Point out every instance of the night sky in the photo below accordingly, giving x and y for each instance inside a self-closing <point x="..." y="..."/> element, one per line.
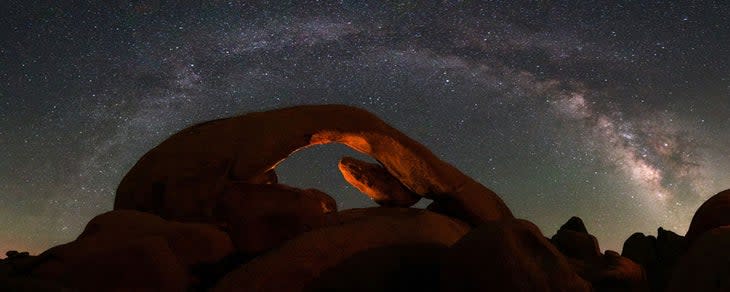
<point x="619" y="114"/>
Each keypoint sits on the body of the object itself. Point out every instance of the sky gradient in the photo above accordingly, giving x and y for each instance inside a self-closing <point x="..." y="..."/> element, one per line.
<point x="616" y="113"/>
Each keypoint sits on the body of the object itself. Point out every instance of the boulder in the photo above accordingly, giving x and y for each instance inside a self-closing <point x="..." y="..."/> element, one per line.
<point x="183" y="177"/>
<point x="714" y="212"/>
<point x="411" y="267"/>
<point x="641" y="249"/>
<point x="140" y="264"/>
<point x="189" y="243"/>
<point x="260" y="217"/>
<point x="612" y="272"/>
<point x="193" y="243"/>
<point x="574" y="241"/>
<point x="509" y="255"/>
<point x="574" y="224"/>
<point x="296" y="263"/>
<point x="657" y="255"/>
<point x="377" y="183"/>
<point x="704" y="267"/>
<point x="30" y="284"/>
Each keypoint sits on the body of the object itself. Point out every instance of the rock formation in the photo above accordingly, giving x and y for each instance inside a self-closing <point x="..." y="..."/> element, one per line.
<point x="616" y="273"/>
<point x="641" y="249"/>
<point x="350" y="232"/>
<point x="705" y="266"/>
<point x="203" y="211"/>
<point x="260" y="217"/>
<point x="510" y="255"/>
<point x="133" y="250"/>
<point x="183" y="177"/>
<point x="574" y="241"/>
<point x="377" y="183"/>
<point x="711" y="214"/>
<point x="411" y="267"/>
<point x="606" y="272"/>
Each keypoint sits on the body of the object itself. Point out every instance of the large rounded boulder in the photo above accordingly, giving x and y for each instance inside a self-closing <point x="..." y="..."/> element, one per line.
<point x="132" y="264"/>
<point x="706" y="265"/>
<point x="714" y="212"/>
<point x="510" y="255"/>
<point x="410" y="267"/>
<point x="126" y="231"/>
<point x="574" y="241"/>
<point x="260" y="217"/>
<point x="298" y="262"/>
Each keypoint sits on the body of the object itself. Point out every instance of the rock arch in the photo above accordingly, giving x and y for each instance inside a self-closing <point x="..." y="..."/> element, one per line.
<point x="196" y="164"/>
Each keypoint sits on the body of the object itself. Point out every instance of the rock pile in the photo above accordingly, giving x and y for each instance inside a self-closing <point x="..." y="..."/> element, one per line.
<point x="203" y="211"/>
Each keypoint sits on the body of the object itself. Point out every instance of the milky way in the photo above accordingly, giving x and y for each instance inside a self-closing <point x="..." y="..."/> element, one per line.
<point x="619" y="114"/>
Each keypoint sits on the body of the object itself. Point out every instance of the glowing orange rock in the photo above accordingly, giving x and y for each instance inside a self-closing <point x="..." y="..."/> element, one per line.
<point x="375" y="182"/>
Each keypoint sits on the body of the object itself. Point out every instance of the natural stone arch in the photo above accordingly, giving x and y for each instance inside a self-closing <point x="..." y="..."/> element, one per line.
<point x="198" y="162"/>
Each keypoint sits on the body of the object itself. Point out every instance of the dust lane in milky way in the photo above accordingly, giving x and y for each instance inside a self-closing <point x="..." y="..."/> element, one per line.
<point x="617" y="113"/>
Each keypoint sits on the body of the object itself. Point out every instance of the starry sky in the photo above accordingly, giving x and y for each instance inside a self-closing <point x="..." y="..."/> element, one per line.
<point x="617" y="113"/>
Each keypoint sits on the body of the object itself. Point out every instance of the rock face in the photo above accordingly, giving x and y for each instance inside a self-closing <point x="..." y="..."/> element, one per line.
<point x="605" y="272"/>
<point x="145" y="264"/>
<point x="203" y="211"/>
<point x="183" y="177"/>
<point x="705" y="265"/>
<point x="612" y="272"/>
<point x="118" y="241"/>
<point x="298" y="262"/>
<point x="573" y="240"/>
<point x="510" y="255"/>
<point x="641" y="249"/>
<point x="412" y="267"/>
<point x="260" y="217"/>
<point x="377" y="183"/>
<point x="714" y="212"/>
<point x="658" y="255"/>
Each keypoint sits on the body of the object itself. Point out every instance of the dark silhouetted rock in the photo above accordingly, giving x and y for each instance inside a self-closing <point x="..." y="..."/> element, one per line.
<point x="15" y="274"/>
<point x="612" y="272"/>
<point x="574" y="224"/>
<point x="12" y="254"/>
<point x="641" y="249"/>
<point x="30" y="284"/>
<point x="267" y="178"/>
<point x="669" y="248"/>
<point x="206" y="275"/>
<point x="189" y="243"/>
<point x="296" y="263"/>
<point x="509" y="255"/>
<point x="714" y="212"/>
<point x="260" y="217"/>
<point x="391" y="268"/>
<point x="657" y="255"/>
<point x="706" y="264"/>
<point x="144" y="264"/>
<point x="377" y="183"/>
<point x="574" y="241"/>
<point x="182" y="178"/>
<point x="192" y="242"/>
